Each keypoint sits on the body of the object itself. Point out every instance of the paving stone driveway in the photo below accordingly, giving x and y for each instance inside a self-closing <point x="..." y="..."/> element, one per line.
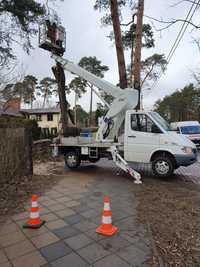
<point x="72" y="210"/>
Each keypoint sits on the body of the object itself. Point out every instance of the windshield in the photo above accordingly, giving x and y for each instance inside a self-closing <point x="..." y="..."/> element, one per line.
<point x="165" y="125"/>
<point x="195" y="129"/>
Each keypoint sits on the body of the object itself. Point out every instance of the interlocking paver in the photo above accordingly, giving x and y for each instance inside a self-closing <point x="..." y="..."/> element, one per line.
<point x="111" y="260"/>
<point x="64" y="213"/>
<point x="8" y="228"/>
<point x="55" y="251"/>
<point x="80" y="208"/>
<point x="134" y="255"/>
<point x="56" y="224"/>
<point x="72" y="219"/>
<point x="44" y="239"/>
<point x="50" y="217"/>
<point x="33" y="259"/>
<point x="3" y="257"/>
<point x="72" y="203"/>
<point x="65" y="232"/>
<point x="114" y="243"/>
<point x="57" y="207"/>
<point x="71" y="260"/>
<point x="93" y="252"/>
<point x="31" y="233"/>
<point x="92" y="234"/>
<point x="78" y="241"/>
<point x="64" y="199"/>
<point x="6" y="264"/>
<point x="20" y="216"/>
<point x="85" y="225"/>
<point x="91" y="213"/>
<point x="11" y="238"/>
<point x="73" y="210"/>
<point x="19" y="249"/>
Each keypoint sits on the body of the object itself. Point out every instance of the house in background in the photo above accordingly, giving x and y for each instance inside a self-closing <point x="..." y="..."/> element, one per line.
<point x="48" y="119"/>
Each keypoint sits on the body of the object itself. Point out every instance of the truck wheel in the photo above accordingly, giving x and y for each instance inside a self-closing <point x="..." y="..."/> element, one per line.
<point x="162" y="166"/>
<point x="72" y="160"/>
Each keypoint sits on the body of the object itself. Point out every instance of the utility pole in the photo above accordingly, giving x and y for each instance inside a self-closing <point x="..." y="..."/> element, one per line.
<point x="137" y="54"/>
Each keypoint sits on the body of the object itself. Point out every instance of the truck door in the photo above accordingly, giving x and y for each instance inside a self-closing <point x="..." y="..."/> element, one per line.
<point x="141" y="139"/>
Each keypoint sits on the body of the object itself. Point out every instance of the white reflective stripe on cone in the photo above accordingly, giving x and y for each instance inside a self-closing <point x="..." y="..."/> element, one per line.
<point x="106" y="206"/>
<point x="34" y="215"/>
<point x="34" y="204"/>
<point x="106" y="220"/>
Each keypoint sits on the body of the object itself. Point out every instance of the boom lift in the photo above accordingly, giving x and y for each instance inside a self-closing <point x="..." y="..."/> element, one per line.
<point x="147" y="136"/>
<point x="52" y="38"/>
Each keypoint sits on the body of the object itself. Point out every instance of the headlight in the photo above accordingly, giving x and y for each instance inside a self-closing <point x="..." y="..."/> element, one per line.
<point x="187" y="150"/>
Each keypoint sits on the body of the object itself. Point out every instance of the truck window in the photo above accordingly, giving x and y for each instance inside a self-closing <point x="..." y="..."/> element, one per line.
<point x="142" y="123"/>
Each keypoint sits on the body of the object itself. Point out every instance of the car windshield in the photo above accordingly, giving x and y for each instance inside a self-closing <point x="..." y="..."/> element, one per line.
<point x="164" y="124"/>
<point x="194" y="129"/>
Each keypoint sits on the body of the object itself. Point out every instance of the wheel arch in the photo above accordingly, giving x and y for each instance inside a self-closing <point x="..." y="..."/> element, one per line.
<point x="163" y="153"/>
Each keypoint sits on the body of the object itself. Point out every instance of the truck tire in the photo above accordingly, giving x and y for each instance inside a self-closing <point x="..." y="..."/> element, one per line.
<point x="162" y="166"/>
<point x="72" y="160"/>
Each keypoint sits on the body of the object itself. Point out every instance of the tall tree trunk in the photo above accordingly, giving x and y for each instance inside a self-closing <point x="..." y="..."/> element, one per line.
<point x="118" y="43"/>
<point x="91" y="100"/>
<point x="137" y="55"/>
<point x="60" y="77"/>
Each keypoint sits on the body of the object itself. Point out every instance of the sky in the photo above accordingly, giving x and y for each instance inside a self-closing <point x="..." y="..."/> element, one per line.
<point x="86" y="37"/>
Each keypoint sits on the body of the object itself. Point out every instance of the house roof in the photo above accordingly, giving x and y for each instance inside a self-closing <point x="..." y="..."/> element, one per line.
<point x="41" y="110"/>
<point x="9" y="113"/>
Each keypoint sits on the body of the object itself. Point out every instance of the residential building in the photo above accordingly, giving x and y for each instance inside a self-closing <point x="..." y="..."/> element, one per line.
<point x="48" y="119"/>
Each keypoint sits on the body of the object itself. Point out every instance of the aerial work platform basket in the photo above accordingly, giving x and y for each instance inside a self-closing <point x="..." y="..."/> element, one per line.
<point x="52" y="37"/>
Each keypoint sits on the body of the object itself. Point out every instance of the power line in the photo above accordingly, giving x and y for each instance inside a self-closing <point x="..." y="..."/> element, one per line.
<point x="179" y="36"/>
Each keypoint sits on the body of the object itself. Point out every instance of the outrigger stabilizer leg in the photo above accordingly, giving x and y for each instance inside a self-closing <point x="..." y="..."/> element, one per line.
<point x="122" y="164"/>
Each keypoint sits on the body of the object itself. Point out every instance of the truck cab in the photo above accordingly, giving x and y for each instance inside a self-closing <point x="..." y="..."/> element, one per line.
<point x="149" y="139"/>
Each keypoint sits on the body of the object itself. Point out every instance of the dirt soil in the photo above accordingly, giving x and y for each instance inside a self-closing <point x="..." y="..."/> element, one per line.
<point x="171" y="208"/>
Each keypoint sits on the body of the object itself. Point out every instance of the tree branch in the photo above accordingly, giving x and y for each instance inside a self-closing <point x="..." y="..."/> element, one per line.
<point x="172" y="22"/>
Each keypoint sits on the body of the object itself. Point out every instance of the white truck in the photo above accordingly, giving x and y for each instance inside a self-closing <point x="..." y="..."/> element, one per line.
<point x="124" y="135"/>
<point x="191" y="129"/>
<point x="145" y="137"/>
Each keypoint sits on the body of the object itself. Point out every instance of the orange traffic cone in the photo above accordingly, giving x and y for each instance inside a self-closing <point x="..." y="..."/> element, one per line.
<point x="34" y="220"/>
<point x="106" y="228"/>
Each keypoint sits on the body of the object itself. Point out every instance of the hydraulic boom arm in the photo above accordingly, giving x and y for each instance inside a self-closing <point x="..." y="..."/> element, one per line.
<point x="123" y="100"/>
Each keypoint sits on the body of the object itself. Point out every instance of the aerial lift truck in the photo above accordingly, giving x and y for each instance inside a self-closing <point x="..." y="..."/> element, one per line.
<point x="125" y="135"/>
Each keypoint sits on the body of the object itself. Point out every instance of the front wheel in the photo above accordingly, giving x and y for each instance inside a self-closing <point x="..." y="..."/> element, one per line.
<point x="162" y="166"/>
<point x="72" y="160"/>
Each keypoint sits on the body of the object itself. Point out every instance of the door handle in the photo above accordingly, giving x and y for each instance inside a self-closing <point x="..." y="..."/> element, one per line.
<point x="132" y="136"/>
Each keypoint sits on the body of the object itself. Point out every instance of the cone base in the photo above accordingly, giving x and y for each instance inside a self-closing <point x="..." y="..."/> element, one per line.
<point x="110" y="232"/>
<point x="26" y="225"/>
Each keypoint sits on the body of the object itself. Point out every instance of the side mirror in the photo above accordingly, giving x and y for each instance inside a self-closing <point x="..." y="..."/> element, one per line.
<point x="155" y="129"/>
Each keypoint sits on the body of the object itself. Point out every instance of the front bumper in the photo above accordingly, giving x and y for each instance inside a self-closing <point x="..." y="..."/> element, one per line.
<point x="186" y="160"/>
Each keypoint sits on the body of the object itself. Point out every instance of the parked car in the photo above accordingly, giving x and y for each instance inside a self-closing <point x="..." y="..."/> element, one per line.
<point x="190" y="129"/>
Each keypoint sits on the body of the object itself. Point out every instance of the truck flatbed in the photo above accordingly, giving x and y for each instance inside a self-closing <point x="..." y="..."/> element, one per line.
<point x="86" y="142"/>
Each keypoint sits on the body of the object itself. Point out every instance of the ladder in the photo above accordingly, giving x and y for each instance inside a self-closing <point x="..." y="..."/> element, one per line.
<point x="122" y="164"/>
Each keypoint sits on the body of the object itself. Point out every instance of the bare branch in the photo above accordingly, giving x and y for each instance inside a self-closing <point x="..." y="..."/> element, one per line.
<point x="172" y="22"/>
